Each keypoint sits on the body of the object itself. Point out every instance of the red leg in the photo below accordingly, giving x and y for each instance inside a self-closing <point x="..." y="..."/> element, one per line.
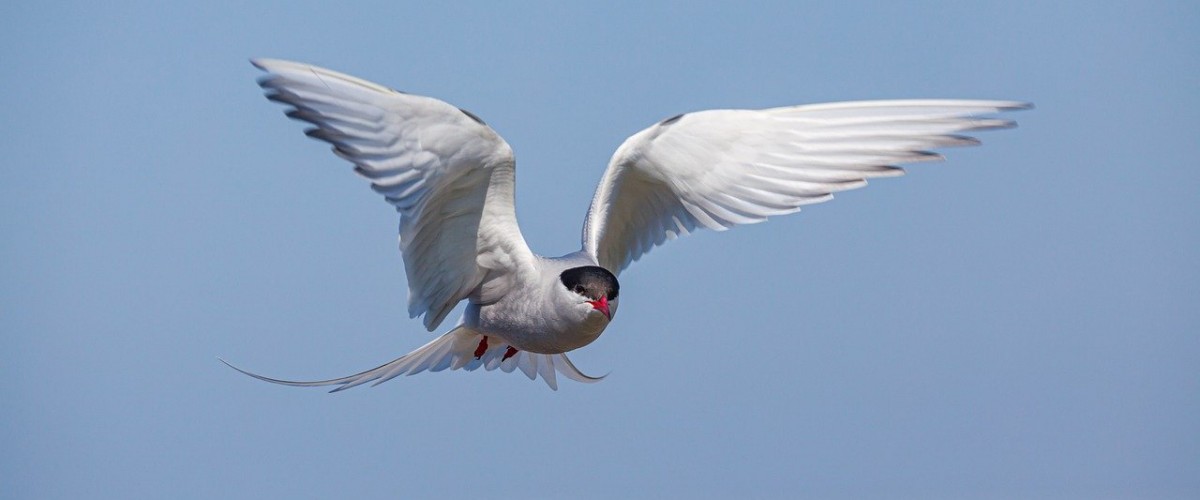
<point x="508" y="354"/>
<point x="482" y="347"/>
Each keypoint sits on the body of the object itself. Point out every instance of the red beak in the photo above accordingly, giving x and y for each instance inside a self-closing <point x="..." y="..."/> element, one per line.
<point x="602" y="306"/>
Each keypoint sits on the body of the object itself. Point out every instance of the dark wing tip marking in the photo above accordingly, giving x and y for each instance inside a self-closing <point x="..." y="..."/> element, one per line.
<point x="671" y="120"/>
<point x="472" y="116"/>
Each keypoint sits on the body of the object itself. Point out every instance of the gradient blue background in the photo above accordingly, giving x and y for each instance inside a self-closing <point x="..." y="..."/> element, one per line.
<point x="1018" y="322"/>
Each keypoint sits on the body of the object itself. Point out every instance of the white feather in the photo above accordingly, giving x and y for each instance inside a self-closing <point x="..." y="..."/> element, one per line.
<point x="449" y="175"/>
<point x="722" y="168"/>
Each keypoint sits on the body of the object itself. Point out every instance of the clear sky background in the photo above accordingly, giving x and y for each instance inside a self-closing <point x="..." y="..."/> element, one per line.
<point x="1018" y="322"/>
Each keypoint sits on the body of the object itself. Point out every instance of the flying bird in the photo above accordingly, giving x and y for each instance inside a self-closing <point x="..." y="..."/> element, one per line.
<point x="450" y="176"/>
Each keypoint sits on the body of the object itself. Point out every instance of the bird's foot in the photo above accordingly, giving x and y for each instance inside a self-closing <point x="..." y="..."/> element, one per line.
<point x="482" y="347"/>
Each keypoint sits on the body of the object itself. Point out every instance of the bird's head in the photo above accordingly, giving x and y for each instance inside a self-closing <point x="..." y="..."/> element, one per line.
<point x="594" y="286"/>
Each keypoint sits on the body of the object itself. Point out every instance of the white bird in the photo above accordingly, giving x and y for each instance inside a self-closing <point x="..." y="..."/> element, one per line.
<point x="450" y="176"/>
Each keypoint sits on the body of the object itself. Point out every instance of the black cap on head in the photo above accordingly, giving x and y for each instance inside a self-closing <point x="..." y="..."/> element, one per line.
<point x="592" y="282"/>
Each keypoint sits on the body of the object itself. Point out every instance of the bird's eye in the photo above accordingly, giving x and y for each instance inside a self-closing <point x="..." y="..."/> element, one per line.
<point x="612" y="295"/>
<point x="579" y="289"/>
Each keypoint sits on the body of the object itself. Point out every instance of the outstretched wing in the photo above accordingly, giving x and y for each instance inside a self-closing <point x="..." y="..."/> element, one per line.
<point x="448" y="174"/>
<point x="721" y="168"/>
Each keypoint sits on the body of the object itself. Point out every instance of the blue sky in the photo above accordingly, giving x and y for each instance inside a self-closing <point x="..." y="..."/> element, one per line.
<point x="1018" y="322"/>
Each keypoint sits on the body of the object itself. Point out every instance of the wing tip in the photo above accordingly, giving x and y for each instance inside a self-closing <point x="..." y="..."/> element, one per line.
<point x="1010" y="105"/>
<point x="271" y="64"/>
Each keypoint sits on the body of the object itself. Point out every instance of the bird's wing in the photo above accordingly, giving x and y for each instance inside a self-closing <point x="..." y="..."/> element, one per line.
<point x="448" y="174"/>
<point x="721" y="168"/>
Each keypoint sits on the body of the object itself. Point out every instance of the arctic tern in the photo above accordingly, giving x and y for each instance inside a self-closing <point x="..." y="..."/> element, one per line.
<point x="450" y="176"/>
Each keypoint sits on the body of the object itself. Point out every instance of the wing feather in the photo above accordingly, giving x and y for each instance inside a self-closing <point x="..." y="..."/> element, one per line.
<point x="448" y="175"/>
<point x="723" y="168"/>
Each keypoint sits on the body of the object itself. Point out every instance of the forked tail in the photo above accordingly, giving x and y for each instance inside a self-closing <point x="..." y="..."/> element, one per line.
<point x="459" y="348"/>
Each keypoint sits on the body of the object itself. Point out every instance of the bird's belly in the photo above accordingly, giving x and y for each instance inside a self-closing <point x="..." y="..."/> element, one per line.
<point x="543" y="336"/>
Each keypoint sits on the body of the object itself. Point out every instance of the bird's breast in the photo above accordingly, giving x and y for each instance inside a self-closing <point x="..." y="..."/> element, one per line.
<point x="537" y="331"/>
